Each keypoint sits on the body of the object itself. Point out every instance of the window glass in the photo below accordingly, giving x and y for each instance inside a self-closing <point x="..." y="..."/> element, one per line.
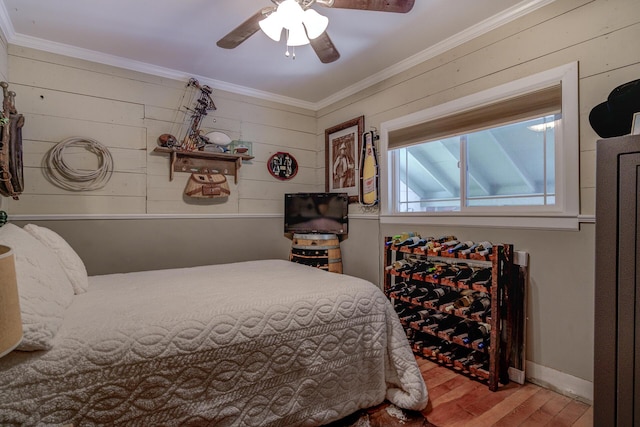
<point x="510" y="165"/>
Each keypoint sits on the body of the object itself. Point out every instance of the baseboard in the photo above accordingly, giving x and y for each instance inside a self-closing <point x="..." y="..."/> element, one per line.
<point x="560" y="382"/>
<point x="516" y="375"/>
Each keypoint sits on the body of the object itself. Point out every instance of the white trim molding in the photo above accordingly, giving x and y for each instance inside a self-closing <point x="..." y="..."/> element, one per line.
<point x="561" y="382"/>
<point x="77" y="217"/>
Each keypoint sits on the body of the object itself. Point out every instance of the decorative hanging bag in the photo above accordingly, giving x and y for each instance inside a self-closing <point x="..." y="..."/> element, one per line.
<point x="207" y="186"/>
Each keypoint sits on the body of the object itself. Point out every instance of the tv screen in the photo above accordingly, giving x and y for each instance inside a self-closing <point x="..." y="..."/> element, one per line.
<point x="322" y="213"/>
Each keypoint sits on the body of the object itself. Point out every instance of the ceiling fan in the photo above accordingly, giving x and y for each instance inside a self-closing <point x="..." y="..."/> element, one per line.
<point x="317" y="36"/>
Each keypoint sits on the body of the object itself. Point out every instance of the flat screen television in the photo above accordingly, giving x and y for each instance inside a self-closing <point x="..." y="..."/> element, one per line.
<point x="321" y="213"/>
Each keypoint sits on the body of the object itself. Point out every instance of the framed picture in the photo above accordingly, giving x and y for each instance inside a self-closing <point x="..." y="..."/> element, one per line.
<point x="635" y="124"/>
<point x="342" y="155"/>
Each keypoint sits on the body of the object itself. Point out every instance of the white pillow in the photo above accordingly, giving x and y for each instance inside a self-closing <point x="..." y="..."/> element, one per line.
<point x="44" y="289"/>
<point x="69" y="259"/>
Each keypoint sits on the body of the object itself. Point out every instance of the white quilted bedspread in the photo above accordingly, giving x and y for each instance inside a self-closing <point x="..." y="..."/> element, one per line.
<point x="250" y="344"/>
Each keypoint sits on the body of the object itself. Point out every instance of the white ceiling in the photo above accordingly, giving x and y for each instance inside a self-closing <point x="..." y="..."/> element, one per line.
<point x="177" y="38"/>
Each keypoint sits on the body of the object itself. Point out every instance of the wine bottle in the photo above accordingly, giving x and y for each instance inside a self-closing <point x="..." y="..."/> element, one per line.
<point x="470" y="249"/>
<point x="419" y="243"/>
<point x="448" y="322"/>
<point x="460" y="246"/>
<point x="449" y="244"/>
<point x="400" y="237"/>
<point x="462" y="329"/>
<point x="408" y="241"/>
<point x="418" y="293"/>
<point x="443" y="239"/>
<point x="480" y="305"/>
<point x="397" y="287"/>
<point x="369" y="169"/>
<point x="485" y="343"/>
<point x="430" y="269"/>
<point x="463" y="274"/>
<point x="409" y="316"/>
<point x="446" y="271"/>
<point x="434" y="294"/>
<point x="460" y="354"/>
<point x="426" y="242"/>
<point x="405" y="264"/>
<point x="422" y="267"/>
<point x="445" y="348"/>
<point x="433" y="320"/>
<point x="465" y="298"/>
<point x="418" y="321"/>
<point x="448" y="298"/>
<point x="484" y="248"/>
<point x="396" y="264"/>
<point x="482" y="275"/>
<point x="477" y="333"/>
<point x="475" y="358"/>
<point x="405" y="290"/>
<point x="404" y="311"/>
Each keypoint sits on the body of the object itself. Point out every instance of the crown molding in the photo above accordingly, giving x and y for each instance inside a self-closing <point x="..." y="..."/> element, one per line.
<point x="143" y="67"/>
<point x="508" y="15"/>
<point x="521" y="9"/>
<point x="6" y="26"/>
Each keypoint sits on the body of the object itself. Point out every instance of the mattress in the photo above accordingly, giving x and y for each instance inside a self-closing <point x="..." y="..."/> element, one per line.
<point x="255" y="343"/>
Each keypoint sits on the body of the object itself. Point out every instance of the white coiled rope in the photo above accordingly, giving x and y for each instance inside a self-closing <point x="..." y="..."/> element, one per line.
<point x="64" y="176"/>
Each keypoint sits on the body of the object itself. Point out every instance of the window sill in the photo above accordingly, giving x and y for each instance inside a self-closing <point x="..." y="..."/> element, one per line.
<point x="523" y="222"/>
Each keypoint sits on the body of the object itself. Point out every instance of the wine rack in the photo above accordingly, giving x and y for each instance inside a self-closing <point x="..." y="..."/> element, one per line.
<point x="461" y="309"/>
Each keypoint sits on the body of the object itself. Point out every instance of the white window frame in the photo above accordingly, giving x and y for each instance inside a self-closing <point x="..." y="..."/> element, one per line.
<point x="563" y="215"/>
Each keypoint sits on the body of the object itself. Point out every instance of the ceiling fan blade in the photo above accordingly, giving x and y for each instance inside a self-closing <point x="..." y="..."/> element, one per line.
<point x="244" y="30"/>
<point x="325" y="49"/>
<point x="398" y="6"/>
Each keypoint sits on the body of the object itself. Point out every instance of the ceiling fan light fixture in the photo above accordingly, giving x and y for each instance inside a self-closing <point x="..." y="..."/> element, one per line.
<point x="297" y="36"/>
<point x="315" y="23"/>
<point x="290" y="13"/>
<point x="272" y="26"/>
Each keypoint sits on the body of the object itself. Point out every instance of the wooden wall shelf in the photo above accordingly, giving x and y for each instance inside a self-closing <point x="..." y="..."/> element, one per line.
<point x="203" y="162"/>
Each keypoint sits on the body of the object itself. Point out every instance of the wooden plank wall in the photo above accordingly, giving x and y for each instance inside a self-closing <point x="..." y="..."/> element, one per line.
<point x="597" y="33"/>
<point x="126" y="111"/>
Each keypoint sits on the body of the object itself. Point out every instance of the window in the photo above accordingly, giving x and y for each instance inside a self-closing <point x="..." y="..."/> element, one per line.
<point x="509" y="152"/>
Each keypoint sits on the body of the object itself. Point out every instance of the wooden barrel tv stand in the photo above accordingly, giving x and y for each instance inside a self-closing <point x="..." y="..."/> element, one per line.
<point x="317" y="250"/>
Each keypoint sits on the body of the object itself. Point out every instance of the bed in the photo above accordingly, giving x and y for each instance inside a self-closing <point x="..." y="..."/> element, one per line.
<point x="255" y="343"/>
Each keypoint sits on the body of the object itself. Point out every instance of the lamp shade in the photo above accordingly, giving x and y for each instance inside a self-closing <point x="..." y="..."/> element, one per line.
<point x="10" y="320"/>
<point x="297" y="36"/>
<point x="315" y="23"/>
<point x="272" y="26"/>
<point x="290" y="13"/>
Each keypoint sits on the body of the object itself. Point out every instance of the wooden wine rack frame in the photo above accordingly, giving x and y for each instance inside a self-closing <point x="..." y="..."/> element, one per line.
<point x="506" y="293"/>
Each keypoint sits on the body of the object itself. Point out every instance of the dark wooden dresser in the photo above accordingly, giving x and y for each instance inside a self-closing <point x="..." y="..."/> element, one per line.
<point x="617" y="291"/>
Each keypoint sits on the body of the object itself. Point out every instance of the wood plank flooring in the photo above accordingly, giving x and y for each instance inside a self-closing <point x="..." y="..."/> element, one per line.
<point x="458" y="401"/>
<point x="455" y="400"/>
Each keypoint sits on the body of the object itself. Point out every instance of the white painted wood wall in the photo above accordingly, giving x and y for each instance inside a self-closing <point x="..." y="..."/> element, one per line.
<point x="126" y="111"/>
<point x="601" y="34"/>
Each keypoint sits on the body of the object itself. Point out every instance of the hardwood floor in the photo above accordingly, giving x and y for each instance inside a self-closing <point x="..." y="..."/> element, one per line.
<point x="458" y="401"/>
<point x="455" y="400"/>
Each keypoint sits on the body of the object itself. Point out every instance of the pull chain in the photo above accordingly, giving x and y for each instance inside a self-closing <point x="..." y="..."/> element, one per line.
<point x="293" y="49"/>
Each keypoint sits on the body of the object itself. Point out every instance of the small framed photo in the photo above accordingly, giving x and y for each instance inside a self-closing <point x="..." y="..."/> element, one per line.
<point x="635" y="124"/>
<point x="342" y="154"/>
